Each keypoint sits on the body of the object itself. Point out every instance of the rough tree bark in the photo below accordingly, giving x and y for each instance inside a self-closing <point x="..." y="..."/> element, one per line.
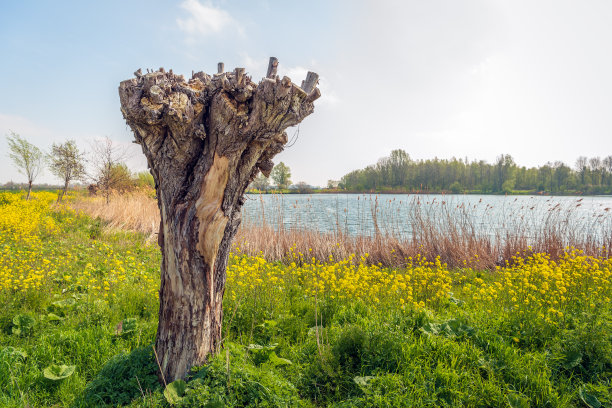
<point x="205" y="140"/>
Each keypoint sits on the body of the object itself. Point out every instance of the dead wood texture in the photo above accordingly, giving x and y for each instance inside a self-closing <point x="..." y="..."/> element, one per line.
<point x="205" y="140"/>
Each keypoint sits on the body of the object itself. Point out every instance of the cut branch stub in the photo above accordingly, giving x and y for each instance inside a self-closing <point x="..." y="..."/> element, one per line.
<point x="312" y="79"/>
<point x="205" y="140"/>
<point x="220" y="68"/>
<point x="272" y="67"/>
<point x="239" y="72"/>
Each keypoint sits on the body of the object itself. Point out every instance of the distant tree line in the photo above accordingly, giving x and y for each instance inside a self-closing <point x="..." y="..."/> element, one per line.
<point x="399" y="172"/>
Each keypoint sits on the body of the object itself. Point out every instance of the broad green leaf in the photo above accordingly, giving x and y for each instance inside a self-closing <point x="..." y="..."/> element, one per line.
<point x="22" y="324"/>
<point x="75" y="288"/>
<point x="268" y="323"/>
<point x="362" y="381"/>
<point x="175" y="391"/>
<point x="456" y="301"/>
<point x="60" y="307"/>
<point x="517" y="400"/>
<point x="126" y="326"/>
<point x="58" y="372"/>
<point x="454" y="327"/>
<point x="277" y="361"/>
<point x="261" y="354"/>
<point x="52" y="317"/>
<point x="451" y="328"/>
<point x="256" y="347"/>
<point x="572" y="359"/>
<point x="62" y="304"/>
<point x="491" y="364"/>
<point x="431" y="328"/>
<point x="214" y="404"/>
<point x="130" y="324"/>
<point x="589" y="399"/>
<point x="13" y="352"/>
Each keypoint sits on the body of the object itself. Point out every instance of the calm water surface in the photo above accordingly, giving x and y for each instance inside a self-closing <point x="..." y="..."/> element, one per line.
<point x="404" y="214"/>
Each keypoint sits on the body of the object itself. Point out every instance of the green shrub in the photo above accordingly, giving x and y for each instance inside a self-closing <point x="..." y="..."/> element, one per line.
<point x="349" y="348"/>
<point x="384" y="352"/>
<point x="239" y="384"/>
<point x="124" y="378"/>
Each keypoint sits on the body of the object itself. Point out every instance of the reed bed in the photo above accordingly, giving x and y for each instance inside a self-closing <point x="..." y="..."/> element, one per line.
<point x="454" y="233"/>
<point x="131" y="211"/>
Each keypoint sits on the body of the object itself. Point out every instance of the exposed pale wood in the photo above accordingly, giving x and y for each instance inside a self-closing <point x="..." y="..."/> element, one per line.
<point x="205" y="140"/>
<point x="272" y="67"/>
<point x="239" y="72"/>
<point x="220" y="68"/>
<point x="312" y="79"/>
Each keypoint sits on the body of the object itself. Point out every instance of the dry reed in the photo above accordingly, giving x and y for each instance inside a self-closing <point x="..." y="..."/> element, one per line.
<point x="440" y="231"/>
<point x="133" y="212"/>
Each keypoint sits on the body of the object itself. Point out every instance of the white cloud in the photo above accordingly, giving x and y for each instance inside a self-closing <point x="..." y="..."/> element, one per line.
<point x="298" y="74"/>
<point x="256" y="67"/>
<point x="328" y="95"/>
<point x="205" y="19"/>
<point x="482" y="66"/>
<point x="23" y="127"/>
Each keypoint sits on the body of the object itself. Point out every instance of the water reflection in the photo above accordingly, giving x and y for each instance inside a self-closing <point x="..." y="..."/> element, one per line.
<point x="404" y="215"/>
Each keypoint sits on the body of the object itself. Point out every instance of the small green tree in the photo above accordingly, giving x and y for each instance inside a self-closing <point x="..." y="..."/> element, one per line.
<point x="508" y="186"/>
<point x="281" y="174"/>
<point x="121" y="179"/>
<point x="456" y="187"/>
<point x="144" y="179"/>
<point x="27" y="158"/>
<point x="67" y="163"/>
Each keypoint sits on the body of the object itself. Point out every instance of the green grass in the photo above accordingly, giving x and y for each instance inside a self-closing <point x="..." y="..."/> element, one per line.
<point x="289" y="351"/>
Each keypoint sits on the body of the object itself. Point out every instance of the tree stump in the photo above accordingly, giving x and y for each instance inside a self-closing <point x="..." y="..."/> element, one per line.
<point x="205" y="140"/>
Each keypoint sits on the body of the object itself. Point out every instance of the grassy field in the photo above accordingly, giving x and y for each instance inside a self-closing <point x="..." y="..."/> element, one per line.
<point x="79" y="314"/>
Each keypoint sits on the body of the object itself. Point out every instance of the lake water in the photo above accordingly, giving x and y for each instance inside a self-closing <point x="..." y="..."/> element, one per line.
<point x="404" y="214"/>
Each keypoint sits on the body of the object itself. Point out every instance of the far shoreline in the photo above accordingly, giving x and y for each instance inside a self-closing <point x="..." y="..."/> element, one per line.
<point x="441" y="193"/>
<point x="323" y="191"/>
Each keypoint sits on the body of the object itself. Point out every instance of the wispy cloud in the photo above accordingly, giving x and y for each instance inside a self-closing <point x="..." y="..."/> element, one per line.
<point x="257" y="67"/>
<point x="328" y="95"/>
<point x="23" y="126"/>
<point x="205" y="19"/>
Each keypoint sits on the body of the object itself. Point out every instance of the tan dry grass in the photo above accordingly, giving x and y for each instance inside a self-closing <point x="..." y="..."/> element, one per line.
<point x="453" y="238"/>
<point x="134" y="212"/>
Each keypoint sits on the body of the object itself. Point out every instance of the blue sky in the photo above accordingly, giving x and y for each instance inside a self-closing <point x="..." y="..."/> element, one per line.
<point x="437" y="78"/>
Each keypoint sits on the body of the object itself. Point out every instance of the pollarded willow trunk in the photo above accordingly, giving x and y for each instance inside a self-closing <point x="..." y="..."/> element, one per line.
<point x="205" y="140"/>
